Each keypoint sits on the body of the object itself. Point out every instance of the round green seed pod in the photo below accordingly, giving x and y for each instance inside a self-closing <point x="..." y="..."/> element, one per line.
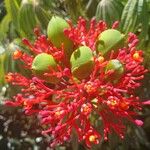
<point x="42" y="64"/>
<point x="82" y="62"/>
<point x="118" y="68"/>
<point x="110" y="39"/>
<point x="55" y="32"/>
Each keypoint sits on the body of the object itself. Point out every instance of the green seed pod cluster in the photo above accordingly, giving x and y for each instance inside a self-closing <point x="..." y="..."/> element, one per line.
<point x="82" y="62"/>
<point x="108" y="40"/>
<point x="43" y="63"/>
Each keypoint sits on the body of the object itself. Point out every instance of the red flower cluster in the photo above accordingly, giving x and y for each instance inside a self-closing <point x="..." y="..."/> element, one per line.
<point x="75" y="105"/>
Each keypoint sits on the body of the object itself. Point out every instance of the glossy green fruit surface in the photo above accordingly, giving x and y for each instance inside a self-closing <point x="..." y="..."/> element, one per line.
<point x="43" y="63"/>
<point x="82" y="62"/>
<point x="55" y="32"/>
<point x="118" y="69"/>
<point x="108" y="40"/>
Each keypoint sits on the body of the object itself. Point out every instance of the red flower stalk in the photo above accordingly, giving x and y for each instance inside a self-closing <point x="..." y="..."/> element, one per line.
<point x="71" y="103"/>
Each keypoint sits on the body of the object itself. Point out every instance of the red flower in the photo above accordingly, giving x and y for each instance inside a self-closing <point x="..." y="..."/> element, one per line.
<point x="17" y="54"/>
<point x="75" y="104"/>
<point x="92" y="137"/>
<point x="137" y="56"/>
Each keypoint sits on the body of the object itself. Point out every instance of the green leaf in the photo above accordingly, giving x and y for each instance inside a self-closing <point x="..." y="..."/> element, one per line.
<point x="4" y="26"/>
<point x="147" y="56"/>
<point x="2" y="59"/>
<point x="109" y="11"/>
<point x="75" y="9"/>
<point x="143" y="11"/>
<point x="135" y="17"/>
<point x="48" y="3"/>
<point x="27" y="18"/>
<point x="2" y="10"/>
<point x="12" y="7"/>
<point x="43" y="16"/>
<point x="129" y="16"/>
<point x="90" y="8"/>
<point x="12" y="65"/>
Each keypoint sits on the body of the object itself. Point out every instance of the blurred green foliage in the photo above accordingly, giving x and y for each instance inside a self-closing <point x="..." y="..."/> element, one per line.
<point x="18" y="18"/>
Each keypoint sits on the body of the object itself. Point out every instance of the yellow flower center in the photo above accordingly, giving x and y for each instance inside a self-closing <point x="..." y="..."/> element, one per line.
<point x="57" y="113"/>
<point x="136" y="56"/>
<point x="89" y="88"/>
<point x="17" y="54"/>
<point x="8" y="78"/>
<point x="112" y="102"/>
<point x="100" y="59"/>
<point x="86" y="108"/>
<point x="92" y="138"/>
<point x="25" y="103"/>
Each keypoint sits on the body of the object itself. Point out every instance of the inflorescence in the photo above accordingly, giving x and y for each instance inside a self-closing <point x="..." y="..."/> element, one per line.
<point x="72" y="103"/>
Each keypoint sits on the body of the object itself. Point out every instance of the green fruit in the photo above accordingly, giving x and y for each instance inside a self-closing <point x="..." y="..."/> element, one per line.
<point x="42" y="64"/>
<point x="110" y="39"/>
<point x="118" y="69"/>
<point x="82" y="62"/>
<point x="56" y="34"/>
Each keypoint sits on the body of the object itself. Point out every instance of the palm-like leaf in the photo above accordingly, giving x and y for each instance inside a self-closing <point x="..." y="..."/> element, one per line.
<point x="109" y="11"/>
<point x="12" y="7"/>
<point x="132" y="17"/>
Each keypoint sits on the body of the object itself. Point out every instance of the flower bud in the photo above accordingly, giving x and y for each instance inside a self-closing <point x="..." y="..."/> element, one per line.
<point x="118" y="70"/>
<point x="108" y="40"/>
<point x="56" y="34"/>
<point x="44" y="63"/>
<point x="82" y="62"/>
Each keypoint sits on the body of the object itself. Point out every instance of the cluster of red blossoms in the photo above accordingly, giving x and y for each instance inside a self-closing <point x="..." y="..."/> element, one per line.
<point x="74" y="105"/>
